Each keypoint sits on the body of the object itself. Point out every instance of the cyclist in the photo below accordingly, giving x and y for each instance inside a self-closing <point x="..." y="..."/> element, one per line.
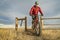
<point x="34" y="13"/>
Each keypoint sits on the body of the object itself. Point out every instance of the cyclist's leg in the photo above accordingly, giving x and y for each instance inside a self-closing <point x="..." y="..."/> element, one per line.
<point x="36" y="20"/>
<point x="33" y="20"/>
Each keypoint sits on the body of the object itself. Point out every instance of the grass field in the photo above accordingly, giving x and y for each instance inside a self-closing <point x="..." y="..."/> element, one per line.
<point x="11" y="34"/>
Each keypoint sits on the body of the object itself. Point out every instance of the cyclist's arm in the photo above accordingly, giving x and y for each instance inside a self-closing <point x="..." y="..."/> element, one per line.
<point x="31" y="10"/>
<point x="40" y="11"/>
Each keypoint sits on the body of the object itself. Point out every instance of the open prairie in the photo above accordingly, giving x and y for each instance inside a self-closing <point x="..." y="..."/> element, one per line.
<point x="21" y="34"/>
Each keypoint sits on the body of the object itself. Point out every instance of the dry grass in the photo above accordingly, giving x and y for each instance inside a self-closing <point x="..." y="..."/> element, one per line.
<point x="11" y="34"/>
<point x="51" y="34"/>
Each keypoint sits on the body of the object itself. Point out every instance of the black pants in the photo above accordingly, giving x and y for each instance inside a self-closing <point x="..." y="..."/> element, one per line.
<point x="35" y="17"/>
<point x="35" y="20"/>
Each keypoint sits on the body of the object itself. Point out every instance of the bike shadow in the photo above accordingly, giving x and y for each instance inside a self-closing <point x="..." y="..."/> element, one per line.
<point x="30" y="32"/>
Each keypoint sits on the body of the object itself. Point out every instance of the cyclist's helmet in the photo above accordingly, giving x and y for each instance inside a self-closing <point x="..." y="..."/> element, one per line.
<point x="36" y="3"/>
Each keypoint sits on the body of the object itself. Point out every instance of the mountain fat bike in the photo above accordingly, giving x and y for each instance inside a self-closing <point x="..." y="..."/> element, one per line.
<point x="36" y="25"/>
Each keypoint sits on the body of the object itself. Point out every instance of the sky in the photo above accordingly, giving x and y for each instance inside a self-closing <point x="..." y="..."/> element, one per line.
<point x="10" y="9"/>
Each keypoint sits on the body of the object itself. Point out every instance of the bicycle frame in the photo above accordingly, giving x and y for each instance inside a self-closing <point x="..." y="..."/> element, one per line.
<point x="38" y="28"/>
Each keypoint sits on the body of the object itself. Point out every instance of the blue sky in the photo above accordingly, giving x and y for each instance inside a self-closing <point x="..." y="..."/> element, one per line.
<point x="9" y="9"/>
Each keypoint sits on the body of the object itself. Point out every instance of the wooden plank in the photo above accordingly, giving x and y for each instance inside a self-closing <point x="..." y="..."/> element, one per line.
<point x="49" y="18"/>
<point x="51" y="24"/>
<point x="21" y="19"/>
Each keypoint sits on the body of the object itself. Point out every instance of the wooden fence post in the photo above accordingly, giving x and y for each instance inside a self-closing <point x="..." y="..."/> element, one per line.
<point x="41" y="25"/>
<point x="25" y="23"/>
<point x="16" y="24"/>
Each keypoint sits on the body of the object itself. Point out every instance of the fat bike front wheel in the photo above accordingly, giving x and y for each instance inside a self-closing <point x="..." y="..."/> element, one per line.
<point x="37" y="29"/>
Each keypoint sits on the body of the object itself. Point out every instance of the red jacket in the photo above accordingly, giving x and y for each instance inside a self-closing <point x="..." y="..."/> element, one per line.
<point x="35" y="9"/>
